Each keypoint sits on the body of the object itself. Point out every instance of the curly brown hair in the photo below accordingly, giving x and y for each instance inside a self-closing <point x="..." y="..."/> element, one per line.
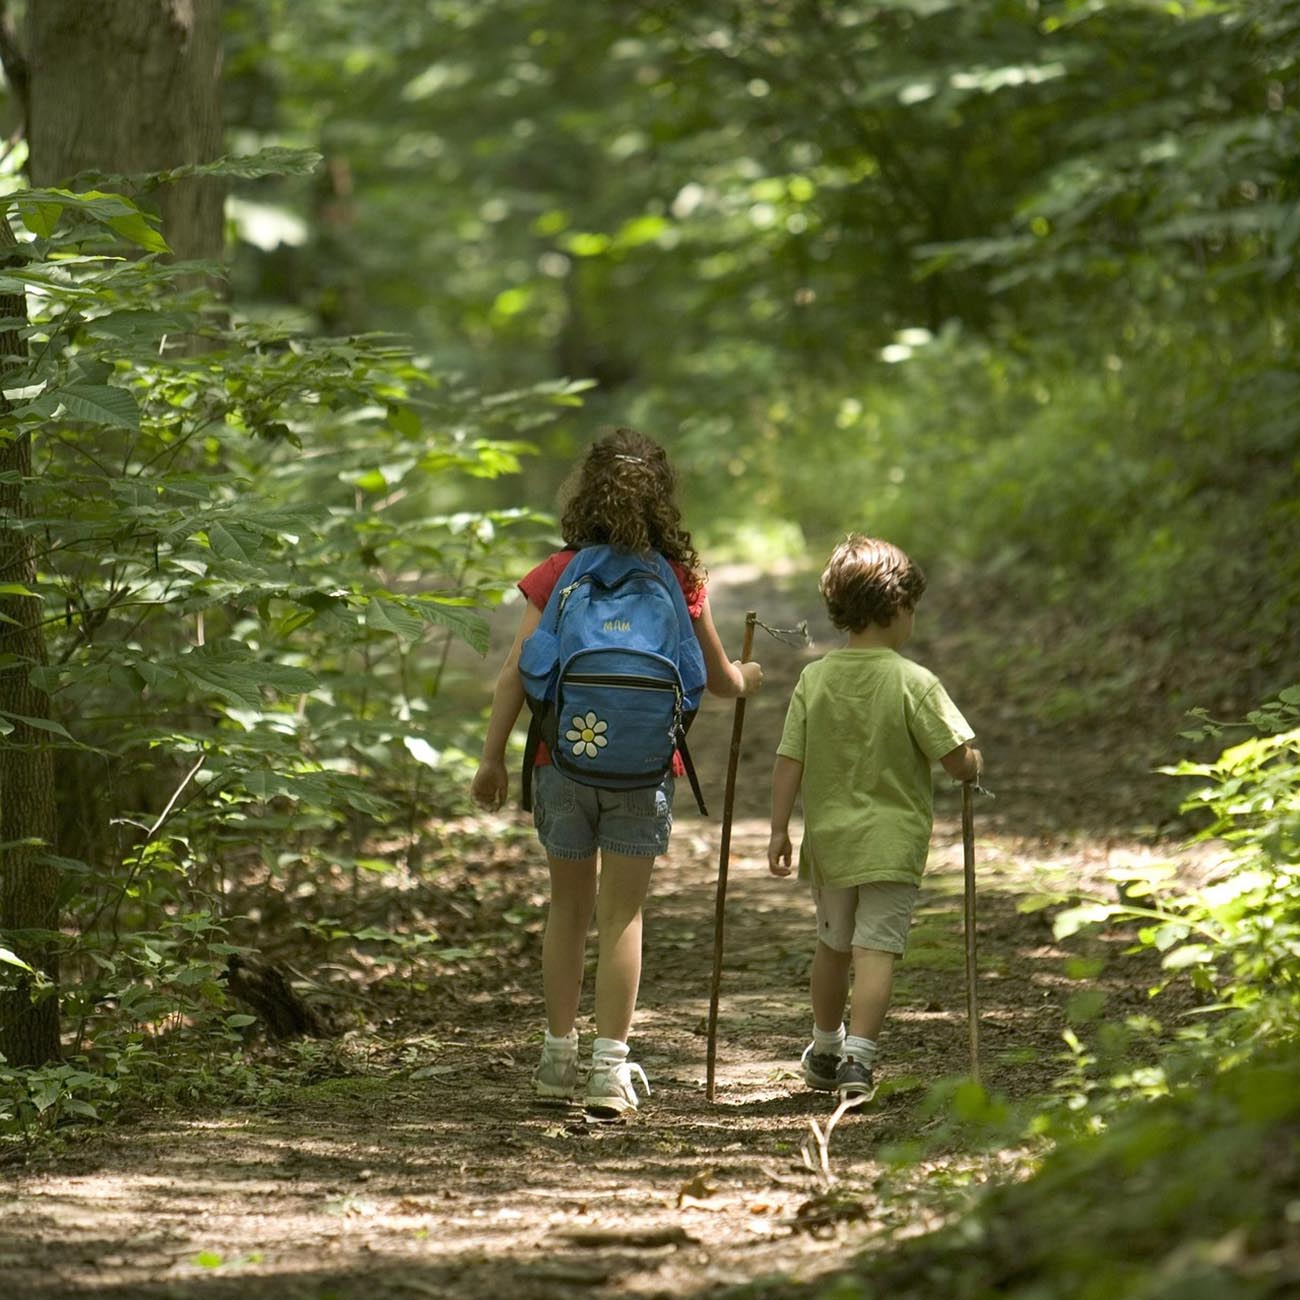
<point x="623" y="493"/>
<point x="867" y="581"/>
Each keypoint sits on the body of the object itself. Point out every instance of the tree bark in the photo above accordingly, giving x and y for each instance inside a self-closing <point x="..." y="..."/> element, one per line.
<point x="29" y="1026"/>
<point x="132" y="86"/>
<point x="121" y="88"/>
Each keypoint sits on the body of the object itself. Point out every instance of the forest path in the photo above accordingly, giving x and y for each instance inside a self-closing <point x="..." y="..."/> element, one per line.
<point x="436" y="1174"/>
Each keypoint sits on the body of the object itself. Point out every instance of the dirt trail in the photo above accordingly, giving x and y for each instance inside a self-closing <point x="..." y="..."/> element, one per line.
<point x="457" y="1184"/>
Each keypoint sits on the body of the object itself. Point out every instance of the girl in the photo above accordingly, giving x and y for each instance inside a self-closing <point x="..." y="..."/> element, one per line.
<point x="622" y="494"/>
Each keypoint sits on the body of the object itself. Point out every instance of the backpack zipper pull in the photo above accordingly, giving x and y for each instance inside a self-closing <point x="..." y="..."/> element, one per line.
<point x="675" y="732"/>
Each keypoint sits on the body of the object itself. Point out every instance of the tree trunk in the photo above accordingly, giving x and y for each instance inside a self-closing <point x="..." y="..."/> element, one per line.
<point x="127" y="87"/>
<point x="29" y="1028"/>
<point x="132" y="86"/>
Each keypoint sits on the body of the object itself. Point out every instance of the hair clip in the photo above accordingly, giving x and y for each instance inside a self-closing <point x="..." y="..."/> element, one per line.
<point x="636" y="460"/>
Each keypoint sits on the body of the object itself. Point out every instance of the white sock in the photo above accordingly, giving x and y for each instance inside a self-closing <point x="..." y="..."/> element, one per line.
<point x="828" y="1042"/>
<point x="608" y="1051"/>
<point x="563" y="1045"/>
<point x="862" y="1050"/>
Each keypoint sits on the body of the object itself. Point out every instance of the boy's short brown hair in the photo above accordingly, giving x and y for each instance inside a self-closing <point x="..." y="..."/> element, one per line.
<point x="867" y="581"/>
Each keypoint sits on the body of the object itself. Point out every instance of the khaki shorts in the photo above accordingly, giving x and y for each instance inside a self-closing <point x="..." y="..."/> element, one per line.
<point x="876" y="915"/>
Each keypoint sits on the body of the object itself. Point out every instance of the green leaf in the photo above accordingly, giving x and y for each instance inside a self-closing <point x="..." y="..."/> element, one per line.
<point x="229" y="671"/>
<point x="1083" y="968"/>
<point x="154" y="674"/>
<point x="1085" y="1005"/>
<point x="1073" y="919"/>
<point x="275" y="160"/>
<point x="1188" y="954"/>
<point x="132" y="325"/>
<point x="88" y="371"/>
<point x="135" y="228"/>
<point x="40" y="217"/>
<point x="99" y="404"/>
<point x="227" y="544"/>
<point x="387" y="616"/>
<point x="10" y="958"/>
<point x="115" y="211"/>
<point x="1039" y="902"/>
<point x="465" y="622"/>
<point x="38" y="724"/>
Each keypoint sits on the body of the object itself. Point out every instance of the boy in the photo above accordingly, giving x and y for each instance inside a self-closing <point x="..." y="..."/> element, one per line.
<point x="863" y="729"/>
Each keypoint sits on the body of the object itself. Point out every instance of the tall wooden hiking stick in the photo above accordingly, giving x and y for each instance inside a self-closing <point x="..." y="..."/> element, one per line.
<point x="724" y="856"/>
<point x="968" y="855"/>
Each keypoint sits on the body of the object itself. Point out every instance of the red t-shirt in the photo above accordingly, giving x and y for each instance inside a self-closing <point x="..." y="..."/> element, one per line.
<point x="537" y="585"/>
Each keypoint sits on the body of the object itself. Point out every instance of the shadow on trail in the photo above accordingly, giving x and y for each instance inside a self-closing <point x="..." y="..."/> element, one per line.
<point x="652" y="1271"/>
<point x="459" y="1185"/>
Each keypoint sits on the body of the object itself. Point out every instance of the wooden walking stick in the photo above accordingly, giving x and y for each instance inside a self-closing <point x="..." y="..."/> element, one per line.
<point x="968" y="855"/>
<point x="724" y="855"/>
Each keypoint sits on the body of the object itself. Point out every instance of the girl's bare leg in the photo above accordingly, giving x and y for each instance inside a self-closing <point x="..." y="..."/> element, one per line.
<point x="624" y="882"/>
<point x="564" y="945"/>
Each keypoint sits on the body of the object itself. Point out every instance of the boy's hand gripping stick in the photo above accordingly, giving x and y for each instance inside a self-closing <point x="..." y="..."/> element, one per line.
<point x="724" y="855"/>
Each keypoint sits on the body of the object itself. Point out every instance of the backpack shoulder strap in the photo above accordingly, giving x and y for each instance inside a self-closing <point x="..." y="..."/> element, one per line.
<point x="686" y="630"/>
<point x="692" y="664"/>
<point x="533" y="739"/>
<point x="548" y="622"/>
<point x="689" y="765"/>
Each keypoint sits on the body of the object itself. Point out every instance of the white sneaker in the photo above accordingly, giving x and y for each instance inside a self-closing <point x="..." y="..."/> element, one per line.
<point x="611" y="1088"/>
<point x="556" y="1076"/>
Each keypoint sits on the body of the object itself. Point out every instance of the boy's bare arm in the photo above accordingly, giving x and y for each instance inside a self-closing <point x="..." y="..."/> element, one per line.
<point x="965" y="763"/>
<point x="787" y="774"/>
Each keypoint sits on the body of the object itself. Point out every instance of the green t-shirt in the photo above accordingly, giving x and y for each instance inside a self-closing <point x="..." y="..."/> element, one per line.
<point x="867" y="725"/>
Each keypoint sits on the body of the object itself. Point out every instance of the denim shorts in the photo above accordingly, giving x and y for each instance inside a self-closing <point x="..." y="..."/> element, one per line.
<point x="574" y="820"/>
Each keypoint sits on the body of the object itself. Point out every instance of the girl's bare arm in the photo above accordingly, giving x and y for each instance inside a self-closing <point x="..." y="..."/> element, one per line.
<point x="726" y="677"/>
<point x="490" y="784"/>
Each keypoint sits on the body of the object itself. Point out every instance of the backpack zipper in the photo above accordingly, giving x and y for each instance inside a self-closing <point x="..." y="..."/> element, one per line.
<point x="635" y="684"/>
<point x="619" y="680"/>
<point x="566" y="592"/>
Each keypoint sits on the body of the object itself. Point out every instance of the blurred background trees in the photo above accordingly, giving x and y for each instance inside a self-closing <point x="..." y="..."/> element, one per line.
<point x="1016" y="277"/>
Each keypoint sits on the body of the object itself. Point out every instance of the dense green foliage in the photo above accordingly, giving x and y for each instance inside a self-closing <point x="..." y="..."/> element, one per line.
<point x="251" y="564"/>
<point x="1029" y="264"/>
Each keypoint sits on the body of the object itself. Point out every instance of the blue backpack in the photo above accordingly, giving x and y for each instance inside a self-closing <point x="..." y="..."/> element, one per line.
<point x="613" y="674"/>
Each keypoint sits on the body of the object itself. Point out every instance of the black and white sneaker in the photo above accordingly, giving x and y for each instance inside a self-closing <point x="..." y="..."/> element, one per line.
<point x="854" y="1081"/>
<point x="819" y="1068"/>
